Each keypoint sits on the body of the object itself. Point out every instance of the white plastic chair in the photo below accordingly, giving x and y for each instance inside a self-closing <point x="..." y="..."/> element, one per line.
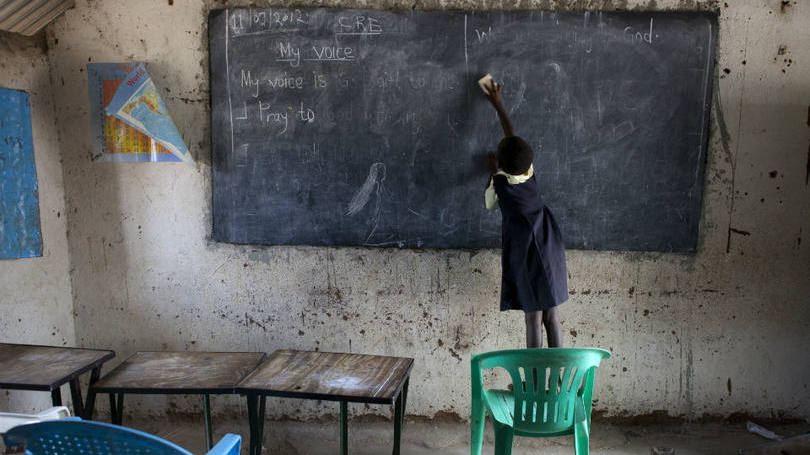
<point x="9" y="420"/>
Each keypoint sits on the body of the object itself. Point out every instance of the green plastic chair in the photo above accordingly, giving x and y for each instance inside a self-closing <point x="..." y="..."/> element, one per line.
<point x="552" y="395"/>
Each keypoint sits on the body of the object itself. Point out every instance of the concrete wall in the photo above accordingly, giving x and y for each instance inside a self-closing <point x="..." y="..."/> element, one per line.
<point x="715" y="333"/>
<point x="35" y="296"/>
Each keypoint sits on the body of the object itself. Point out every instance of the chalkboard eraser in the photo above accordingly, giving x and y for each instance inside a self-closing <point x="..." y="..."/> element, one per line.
<point x="486" y="83"/>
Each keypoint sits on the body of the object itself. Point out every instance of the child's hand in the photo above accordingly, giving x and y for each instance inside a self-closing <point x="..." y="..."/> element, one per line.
<point x="494" y="93"/>
<point x="492" y="163"/>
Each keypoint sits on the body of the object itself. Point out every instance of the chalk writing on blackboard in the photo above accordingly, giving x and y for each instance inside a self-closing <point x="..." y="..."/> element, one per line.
<point x="359" y="127"/>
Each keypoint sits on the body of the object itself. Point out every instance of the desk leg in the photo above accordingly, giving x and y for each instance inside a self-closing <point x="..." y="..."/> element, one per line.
<point x="56" y="397"/>
<point x="260" y="427"/>
<point x="344" y="428"/>
<point x="251" y="408"/>
<point x="405" y="400"/>
<point x="117" y="408"/>
<point x="255" y="404"/>
<point x="255" y="443"/>
<point x="121" y="408"/>
<point x="209" y="438"/>
<point x="90" y="402"/>
<point x="113" y="409"/>
<point x="398" y="413"/>
<point x="399" y="416"/>
<point x="76" y="396"/>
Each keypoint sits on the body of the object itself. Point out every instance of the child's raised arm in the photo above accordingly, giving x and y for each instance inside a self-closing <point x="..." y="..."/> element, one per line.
<point x="493" y="94"/>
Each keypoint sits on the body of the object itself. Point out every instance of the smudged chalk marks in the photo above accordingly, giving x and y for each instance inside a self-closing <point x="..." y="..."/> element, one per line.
<point x="360" y="199"/>
<point x="519" y="98"/>
<point x="374" y="183"/>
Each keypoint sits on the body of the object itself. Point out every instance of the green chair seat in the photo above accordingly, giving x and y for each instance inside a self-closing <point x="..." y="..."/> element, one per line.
<point x="500" y="405"/>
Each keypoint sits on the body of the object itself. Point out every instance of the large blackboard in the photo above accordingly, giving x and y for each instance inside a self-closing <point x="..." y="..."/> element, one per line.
<point x="356" y="127"/>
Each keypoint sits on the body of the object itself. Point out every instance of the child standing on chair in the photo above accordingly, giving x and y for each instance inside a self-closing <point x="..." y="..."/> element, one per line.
<point x="533" y="262"/>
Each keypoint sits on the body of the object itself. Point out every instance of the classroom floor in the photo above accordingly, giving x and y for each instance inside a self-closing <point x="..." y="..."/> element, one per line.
<point x="450" y="438"/>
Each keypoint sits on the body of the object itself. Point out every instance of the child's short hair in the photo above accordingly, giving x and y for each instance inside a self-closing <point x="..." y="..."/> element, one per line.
<point x="515" y="156"/>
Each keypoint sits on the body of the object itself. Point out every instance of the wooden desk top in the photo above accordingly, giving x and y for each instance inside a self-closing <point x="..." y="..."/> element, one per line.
<point x="30" y="367"/>
<point x="330" y="376"/>
<point x="180" y="372"/>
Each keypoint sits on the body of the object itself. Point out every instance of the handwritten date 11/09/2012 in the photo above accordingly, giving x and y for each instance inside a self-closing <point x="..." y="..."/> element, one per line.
<point x="262" y="21"/>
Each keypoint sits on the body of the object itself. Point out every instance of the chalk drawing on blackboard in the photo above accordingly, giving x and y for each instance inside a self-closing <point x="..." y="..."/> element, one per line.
<point x="362" y="196"/>
<point x="466" y="54"/>
<point x="374" y="182"/>
<point x="519" y="98"/>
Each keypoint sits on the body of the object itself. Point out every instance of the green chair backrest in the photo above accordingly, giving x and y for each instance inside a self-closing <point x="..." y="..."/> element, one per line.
<point x="546" y="383"/>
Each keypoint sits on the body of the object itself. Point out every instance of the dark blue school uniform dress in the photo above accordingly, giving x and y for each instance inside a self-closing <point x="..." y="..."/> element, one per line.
<point x="533" y="261"/>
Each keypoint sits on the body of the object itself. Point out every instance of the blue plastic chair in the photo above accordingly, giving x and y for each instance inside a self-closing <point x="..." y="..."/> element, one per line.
<point x="73" y="436"/>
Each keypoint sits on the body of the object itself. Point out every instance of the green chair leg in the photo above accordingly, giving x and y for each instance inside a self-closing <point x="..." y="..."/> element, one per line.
<point x="581" y="430"/>
<point x="477" y="427"/>
<point x="503" y="439"/>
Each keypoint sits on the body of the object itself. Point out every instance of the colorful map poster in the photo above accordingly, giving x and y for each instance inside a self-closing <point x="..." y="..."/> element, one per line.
<point x="113" y="139"/>
<point x="138" y="103"/>
<point x="20" y="235"/>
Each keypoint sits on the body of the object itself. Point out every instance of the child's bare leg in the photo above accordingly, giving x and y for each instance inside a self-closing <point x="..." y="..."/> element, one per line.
<point x="552" y="326"/>
<point x="534" y="329"/>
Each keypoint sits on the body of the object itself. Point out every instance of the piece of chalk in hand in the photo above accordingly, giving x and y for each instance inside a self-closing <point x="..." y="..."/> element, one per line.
<point x="486" y="83"/>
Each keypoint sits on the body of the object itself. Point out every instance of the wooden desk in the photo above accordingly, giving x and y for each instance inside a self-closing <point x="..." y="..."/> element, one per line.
<point x="47" y="368"/>
<point x="181" y="373"/>
<point x="328" y="376"/>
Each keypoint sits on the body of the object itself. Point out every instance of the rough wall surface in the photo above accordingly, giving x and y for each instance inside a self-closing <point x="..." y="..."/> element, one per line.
<point x="704" y="334"/>
<point x="35" y="296"/>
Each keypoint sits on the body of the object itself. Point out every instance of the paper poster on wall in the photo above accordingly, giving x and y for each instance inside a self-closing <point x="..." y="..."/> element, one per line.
<point x="114" y="139"/>
<point x="138" y="103"/>
<point x="20" y="235"/>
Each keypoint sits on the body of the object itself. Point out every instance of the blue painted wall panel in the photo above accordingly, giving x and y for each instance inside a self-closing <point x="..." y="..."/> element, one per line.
<point x="20" y="235"/>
